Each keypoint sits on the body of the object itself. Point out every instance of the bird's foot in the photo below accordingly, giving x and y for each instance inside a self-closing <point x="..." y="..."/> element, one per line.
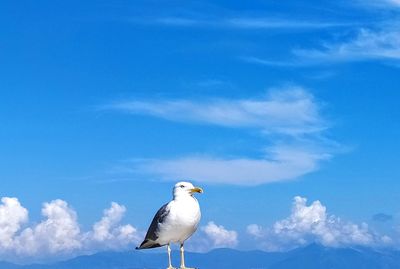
<point x="170" y="267"/>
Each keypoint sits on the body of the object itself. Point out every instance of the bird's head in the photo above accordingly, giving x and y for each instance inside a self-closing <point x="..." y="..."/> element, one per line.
<point x="182" y="189"/>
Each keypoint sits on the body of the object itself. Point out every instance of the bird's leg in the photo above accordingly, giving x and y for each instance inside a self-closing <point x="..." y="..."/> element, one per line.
<point x="169" y="257"/>
<point x="183" y="259"/>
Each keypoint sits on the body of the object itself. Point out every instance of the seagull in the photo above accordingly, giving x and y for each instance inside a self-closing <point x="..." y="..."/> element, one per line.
<point x="175" y="221"/>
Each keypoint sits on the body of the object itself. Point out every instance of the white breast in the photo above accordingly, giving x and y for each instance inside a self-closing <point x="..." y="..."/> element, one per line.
<point x="182" y="221"/>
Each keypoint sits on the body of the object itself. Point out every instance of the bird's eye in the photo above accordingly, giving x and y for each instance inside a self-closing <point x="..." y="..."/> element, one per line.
<point x="182" y="186"/>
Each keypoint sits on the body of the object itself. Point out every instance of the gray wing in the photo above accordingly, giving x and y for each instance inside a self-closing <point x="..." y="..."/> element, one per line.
<point x="152" y="233"/>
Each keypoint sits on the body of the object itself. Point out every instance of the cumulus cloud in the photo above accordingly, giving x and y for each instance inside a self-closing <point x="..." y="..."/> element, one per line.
<point x="290" y="115"/>
<point x="220" y="236"/>
<point x="58" y="235"/>
<point x="255" y="230"/>
<point x="108" y="232"/>
<point x="12" y="216"/>
<point x="312" y="223"/>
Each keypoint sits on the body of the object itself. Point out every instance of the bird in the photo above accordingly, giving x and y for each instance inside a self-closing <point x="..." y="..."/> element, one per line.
<point x="175" y="221"/>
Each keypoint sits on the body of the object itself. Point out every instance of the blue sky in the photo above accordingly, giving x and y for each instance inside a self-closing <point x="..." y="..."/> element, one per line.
<point x="257" y="103"/>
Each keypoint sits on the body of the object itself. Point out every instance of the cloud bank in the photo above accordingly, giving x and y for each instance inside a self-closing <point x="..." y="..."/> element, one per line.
<point x="290" y="116"/>
<point x="59" y="235"/>
<point x="311" y="223"/>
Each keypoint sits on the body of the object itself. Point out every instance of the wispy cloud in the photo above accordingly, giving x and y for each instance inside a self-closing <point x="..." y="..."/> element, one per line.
<point x="213" y="83"/>
<point x="366" y="45"/>
<point x="393" y="2"/>
<point x="176" y="21"/>
<point x="291" y="116"/>
<point x="271" y="23"/>
<point x="383" y="4"/>
<point x="249" y="23"/>
<point x="312" y="223"/>
<point x="281" y="163"/>
<point x="274" y="63"/>
<point x="374" y="41"/>
<point x="291" y="111"/>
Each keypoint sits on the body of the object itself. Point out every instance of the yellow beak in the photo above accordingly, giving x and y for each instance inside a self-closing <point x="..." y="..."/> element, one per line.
<point x="196" y="189"/>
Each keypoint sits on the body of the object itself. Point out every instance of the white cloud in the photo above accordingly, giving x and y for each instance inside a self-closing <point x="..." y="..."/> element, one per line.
<point x="12" y="216"/>
<point x="177" y="21"/>
<point x="219" y="236"/>
<point x="108" y="232"/>
<point x="366" y="45"/>
<point x="271" y="23"/>
<point x="290" y="116"/>
<point x="394" y="2"/>
<point x="312" y="223"/>
<point x="58" y="235"/>
<point x="266" y="62"/>
<point x="381" y="4"/>
<point x="255" y="230"/>
<point x="290" y="111"/>
<point x="282" y="163"/>
<point x="241" y="23"/>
